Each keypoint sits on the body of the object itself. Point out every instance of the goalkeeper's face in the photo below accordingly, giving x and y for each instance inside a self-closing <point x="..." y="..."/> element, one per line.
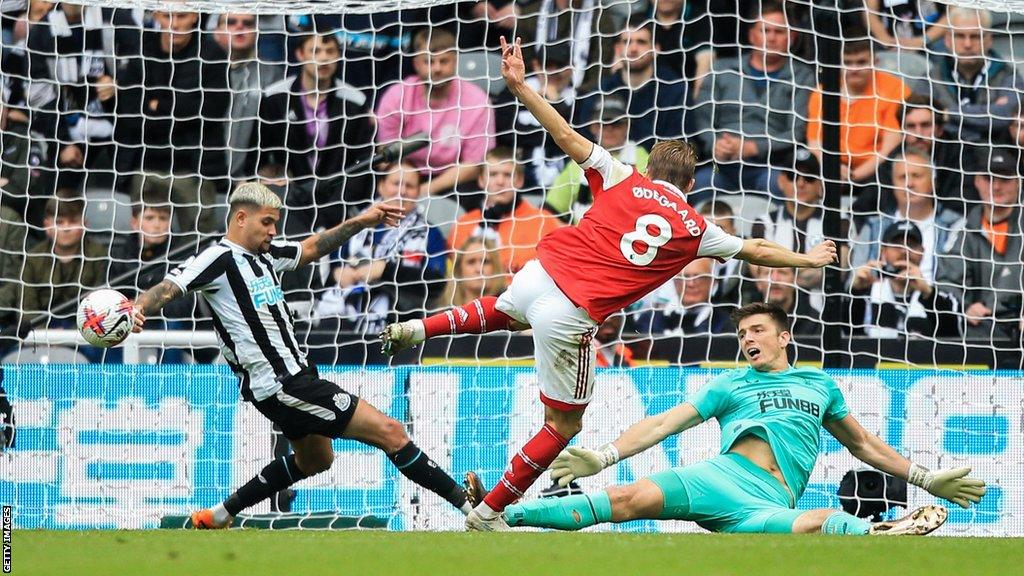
<point x="763" y="343"/>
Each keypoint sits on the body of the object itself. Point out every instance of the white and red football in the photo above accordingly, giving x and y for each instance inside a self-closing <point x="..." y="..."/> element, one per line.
<point x="105" y="318"/>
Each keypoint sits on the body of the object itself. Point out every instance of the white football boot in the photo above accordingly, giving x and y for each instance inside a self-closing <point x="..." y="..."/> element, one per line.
<point x="918" y="523"/>
<point x="477" y="523"/>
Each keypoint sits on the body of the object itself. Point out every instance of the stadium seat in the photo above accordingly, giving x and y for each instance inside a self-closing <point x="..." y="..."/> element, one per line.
<point x="482" y="68"/>
<point x="441" y="212"/>
<point x="107" y="211"/>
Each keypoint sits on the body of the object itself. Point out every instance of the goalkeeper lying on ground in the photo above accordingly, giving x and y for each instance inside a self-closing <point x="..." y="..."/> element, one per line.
<point x="771" y="415"/>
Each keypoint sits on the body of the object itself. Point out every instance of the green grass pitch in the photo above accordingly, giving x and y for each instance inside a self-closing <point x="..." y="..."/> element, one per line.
<point x="379" y="553"/>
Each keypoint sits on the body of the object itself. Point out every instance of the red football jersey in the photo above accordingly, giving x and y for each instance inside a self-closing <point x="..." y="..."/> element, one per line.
<point x="637" y="235"/>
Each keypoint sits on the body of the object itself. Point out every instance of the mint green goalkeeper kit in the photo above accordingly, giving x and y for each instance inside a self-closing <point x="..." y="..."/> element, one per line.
<point x="729" y="493"/>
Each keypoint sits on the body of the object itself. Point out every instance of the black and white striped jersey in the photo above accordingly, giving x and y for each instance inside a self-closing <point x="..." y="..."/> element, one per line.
<point x="250" y="315"/>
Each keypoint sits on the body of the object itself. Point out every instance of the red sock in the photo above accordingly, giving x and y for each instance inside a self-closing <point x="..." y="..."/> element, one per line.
<point x="477" y="317"/>
<point x="527" y="465"/>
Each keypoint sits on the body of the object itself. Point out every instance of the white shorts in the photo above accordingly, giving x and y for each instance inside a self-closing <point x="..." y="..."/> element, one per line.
<point x="562" y="334"/>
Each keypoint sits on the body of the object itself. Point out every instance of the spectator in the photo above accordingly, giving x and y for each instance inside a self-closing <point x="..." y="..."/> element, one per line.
<point x="476" y="271"/>
<point x="869" y="130"/>
<point x="749" y="112"/>
<point x="374" y="47"/>
<point x="13" y="243"/>
<point x="237" y="36"/>
<point x="923" y="123"/>
<point x="979" y="89"/>
<point x="58" y="270"/>
<point x="683" y="33"/>
<point x="894" y="297"/>
<point x="683" y="305"/>
<point x="778" y="285"/>
<point x="797" y="223"/>
<point x="611" y="352"/>
<point x="570" y="197"/>
<point x="386" y="271"/>
<point x="729" y="275"/>
<point x="171" y="104"/>
<point x="26" y="182"/>
<point x="911" y="24"/>
<point x="586" y="27"/>
<point x="315" y="125"/>
<point x="517" y="127"/>
<point x="511" y="221"/>
<point x="986" y="263"/>
<point x="481" y="23"/>
<point x="655" y="95"/>
<point x="914" y="193"/>
<point x="71" y="79"/>
<point x="139" y="259"/>
<point x="454" y="112"/>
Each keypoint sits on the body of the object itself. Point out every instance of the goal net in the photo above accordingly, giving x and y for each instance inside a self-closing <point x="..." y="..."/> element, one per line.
<point x="125" y="125"/>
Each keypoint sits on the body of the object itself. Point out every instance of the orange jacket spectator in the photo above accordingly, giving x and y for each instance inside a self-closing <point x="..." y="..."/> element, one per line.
<point x="864" y="118"/>
<point x="518" y="233"/>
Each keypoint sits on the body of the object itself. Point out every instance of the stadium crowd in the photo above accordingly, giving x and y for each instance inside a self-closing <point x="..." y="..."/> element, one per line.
<point x="170" y="111"/>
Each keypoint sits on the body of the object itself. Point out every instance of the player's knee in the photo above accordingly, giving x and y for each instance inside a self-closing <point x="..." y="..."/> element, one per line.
<point x="625" y="502"/>
<point x="392" y="436"/>
<point x="567" y="424"/>
<point x="316" y="462"/>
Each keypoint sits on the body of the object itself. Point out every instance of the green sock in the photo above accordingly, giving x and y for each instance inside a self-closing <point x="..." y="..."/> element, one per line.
<point x="566" y="513"/>
<point x="843" y="523"/>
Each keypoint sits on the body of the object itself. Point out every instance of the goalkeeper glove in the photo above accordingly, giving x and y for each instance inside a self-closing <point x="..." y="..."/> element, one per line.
<point x="575" y="463"/>
<point x="953" y="484"/>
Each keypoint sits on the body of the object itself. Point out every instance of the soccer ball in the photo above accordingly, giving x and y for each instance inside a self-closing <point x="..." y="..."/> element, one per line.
<point x="105" y="318"/>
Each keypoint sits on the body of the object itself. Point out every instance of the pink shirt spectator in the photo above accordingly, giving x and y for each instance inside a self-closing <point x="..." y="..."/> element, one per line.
<point x="461" y="127"/>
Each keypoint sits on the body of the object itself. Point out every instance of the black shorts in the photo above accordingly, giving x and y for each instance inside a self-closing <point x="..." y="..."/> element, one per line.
<point x="307" y="404"/>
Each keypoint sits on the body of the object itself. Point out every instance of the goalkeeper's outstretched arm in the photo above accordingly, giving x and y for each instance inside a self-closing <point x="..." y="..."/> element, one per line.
<point x="952" y="484"/>
<point x="513" y="70"/>
<point x="576" y="463"/>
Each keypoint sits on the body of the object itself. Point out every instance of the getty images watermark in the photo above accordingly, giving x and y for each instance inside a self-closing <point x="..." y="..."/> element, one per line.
<point x="7" y="538"/>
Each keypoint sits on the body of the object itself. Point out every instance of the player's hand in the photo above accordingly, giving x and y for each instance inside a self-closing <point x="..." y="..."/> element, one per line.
<point x="954" y="485"/>
<point x="823" y="254"/>
<point x="140" y="319"/>
<point x="387" y="213"/>
<point x="573" y="463"/>
<point x="513" y="68"/>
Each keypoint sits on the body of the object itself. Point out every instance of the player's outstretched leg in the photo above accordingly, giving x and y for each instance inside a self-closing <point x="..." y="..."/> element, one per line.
<point x="477" y="317"/>
<point x="527" y="465"/>
<point x="313" y="454"/>
<point x="924" y="520"/>
<point x="372" y="427"/>
<point x="827" y="521"/>
<point x="640" y="500"/>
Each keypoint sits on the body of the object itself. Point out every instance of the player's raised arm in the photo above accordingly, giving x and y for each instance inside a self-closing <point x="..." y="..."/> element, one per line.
<point x="767" y="253"/>
<point x="324" y="243"/>
<point x="952" y="484"/>
<point x="576" y="463"/>
<point x="513" y="70"/>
